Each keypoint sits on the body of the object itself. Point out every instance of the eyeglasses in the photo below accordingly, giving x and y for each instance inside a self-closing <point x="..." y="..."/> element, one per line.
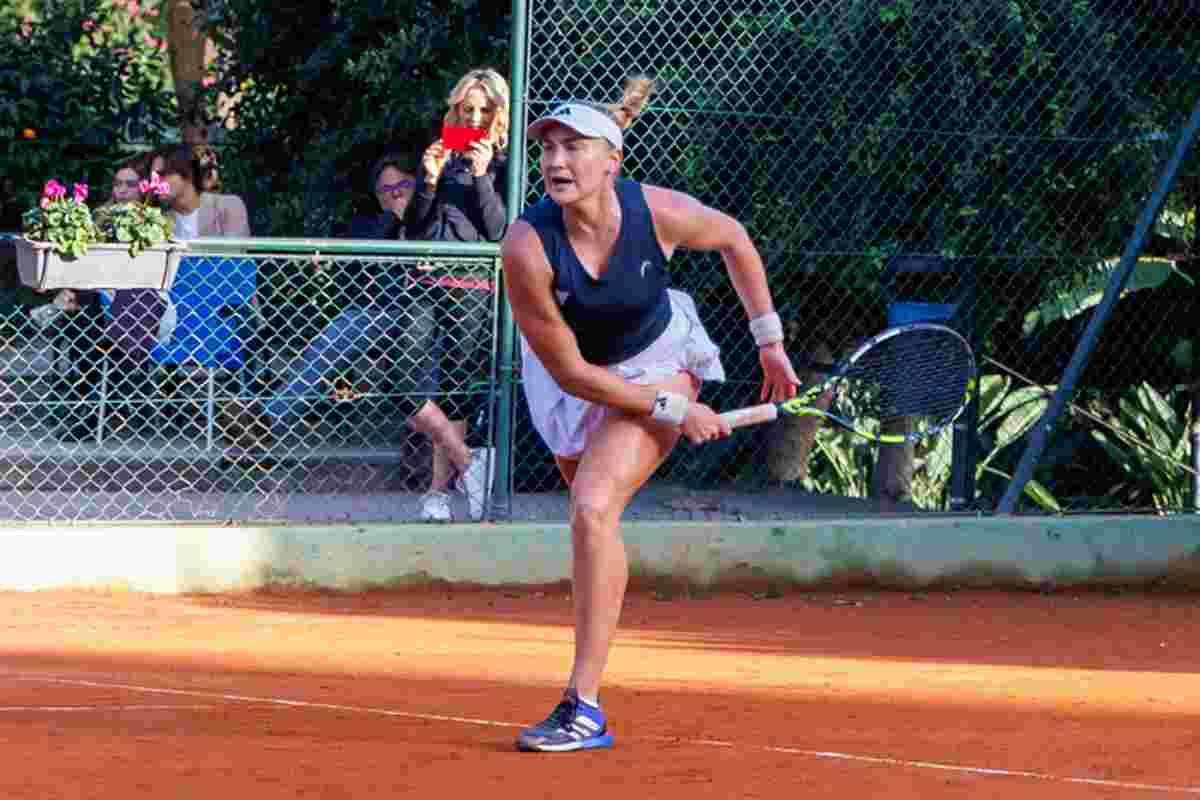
<point x="397" y="187"/>
<point x="131" y="183"/>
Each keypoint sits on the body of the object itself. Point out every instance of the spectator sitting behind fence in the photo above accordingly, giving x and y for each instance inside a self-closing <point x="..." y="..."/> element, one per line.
<point x="460" y="198"/>
<point x="188" y="169"/>
<point x="229" y="210"/>
<point x="135" y="323"/>
<point x="393" y="181"/>
<point x="142" y="318"/>
<point x="376" y="316"/>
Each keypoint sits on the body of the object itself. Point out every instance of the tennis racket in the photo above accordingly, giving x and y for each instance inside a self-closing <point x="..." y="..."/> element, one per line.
<point x="922" y="373"/>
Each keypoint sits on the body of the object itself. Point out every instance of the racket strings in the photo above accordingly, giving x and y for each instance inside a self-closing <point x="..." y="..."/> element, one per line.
<point x="920" y="374"/>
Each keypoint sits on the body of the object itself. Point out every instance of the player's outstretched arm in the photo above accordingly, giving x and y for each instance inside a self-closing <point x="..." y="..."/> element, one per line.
<point x="683" y="221"/>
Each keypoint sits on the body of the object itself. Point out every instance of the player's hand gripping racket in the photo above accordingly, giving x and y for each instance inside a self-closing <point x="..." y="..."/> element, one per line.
<point x="922" y="373"/>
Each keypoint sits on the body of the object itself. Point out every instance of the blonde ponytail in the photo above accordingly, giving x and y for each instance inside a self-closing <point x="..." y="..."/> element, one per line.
<point x="638" y="89"/>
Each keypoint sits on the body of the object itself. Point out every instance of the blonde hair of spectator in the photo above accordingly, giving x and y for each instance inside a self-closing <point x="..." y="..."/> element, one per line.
<point x="495" y="88"/>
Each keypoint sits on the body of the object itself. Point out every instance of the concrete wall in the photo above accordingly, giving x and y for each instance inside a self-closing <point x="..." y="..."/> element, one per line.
<point x="907" y="552"/>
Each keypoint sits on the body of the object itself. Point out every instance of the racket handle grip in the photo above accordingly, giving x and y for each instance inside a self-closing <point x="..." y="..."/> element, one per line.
<point x="752" y="415"/>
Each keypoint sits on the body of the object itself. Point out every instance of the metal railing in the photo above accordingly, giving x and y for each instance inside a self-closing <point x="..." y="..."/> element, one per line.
<point x="281" y="391"/>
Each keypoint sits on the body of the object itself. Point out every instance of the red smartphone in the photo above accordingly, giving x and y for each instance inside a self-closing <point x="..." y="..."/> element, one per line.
<point x="459" y="137"/>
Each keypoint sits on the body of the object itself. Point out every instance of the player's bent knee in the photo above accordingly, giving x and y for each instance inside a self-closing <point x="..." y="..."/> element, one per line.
<point x="594" y="512"/>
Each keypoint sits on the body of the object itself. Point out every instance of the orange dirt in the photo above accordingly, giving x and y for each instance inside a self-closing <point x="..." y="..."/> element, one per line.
<point x="420" y="694"/>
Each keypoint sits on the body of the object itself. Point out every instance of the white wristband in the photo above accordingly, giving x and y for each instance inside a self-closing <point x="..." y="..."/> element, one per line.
<point x="670" y="407"/>
<point x="767" y="329"/>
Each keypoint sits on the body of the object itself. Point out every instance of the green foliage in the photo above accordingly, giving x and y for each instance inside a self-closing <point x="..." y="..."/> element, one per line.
<point x="1005" y="415"/>
<point x="994" y="96"/>
<point x="321" y="89"/>
<point x="1076" y="292"/>
<point x="844" y="463"/>
<point x="140" y="224"/>
<point x="1148" y="438"/>
<point x="83" y="83"/>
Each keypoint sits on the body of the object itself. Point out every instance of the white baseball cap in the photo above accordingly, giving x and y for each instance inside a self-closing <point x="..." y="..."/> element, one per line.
<point x="582" y="119"/>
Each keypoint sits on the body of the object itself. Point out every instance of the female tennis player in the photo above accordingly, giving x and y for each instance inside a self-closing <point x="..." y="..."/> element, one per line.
<point x="613" y="358"/>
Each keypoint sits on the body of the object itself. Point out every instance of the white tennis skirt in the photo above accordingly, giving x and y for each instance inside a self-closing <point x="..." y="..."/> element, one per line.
<point x="565" y="422"/>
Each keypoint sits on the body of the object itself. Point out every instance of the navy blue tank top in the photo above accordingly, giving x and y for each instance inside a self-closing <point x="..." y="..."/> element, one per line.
<point x="620" y="314"/>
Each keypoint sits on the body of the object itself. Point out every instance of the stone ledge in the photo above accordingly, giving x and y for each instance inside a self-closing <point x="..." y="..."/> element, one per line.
<point x="902" y="552"/>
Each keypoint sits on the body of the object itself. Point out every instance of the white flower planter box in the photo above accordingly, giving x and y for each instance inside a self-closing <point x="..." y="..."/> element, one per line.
<point x="104" y="266"/>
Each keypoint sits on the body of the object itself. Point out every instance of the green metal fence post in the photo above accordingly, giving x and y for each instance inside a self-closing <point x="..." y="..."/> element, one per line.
<point x="506" y="328"/>
<point x="1040" y="435"/>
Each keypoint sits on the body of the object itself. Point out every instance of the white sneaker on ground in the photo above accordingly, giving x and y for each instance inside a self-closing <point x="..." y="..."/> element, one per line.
<point x="476" y="482"/>
<point x="435" y="507"/>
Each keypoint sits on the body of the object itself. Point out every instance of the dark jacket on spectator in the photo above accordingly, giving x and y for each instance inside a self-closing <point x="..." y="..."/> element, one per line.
<point x="465" y="208"/>
<point x="383" y="225"/>
<point x="365" y="283"/>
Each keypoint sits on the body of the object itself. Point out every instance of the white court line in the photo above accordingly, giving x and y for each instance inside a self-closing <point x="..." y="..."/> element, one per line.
<point x="822" y="754"/>
<point x="38" y="709"/>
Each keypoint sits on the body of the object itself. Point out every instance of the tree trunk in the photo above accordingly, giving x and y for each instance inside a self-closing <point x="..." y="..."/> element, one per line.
<point x="791" y="438"/>
<point x="894" y="468"/>
<point x="189" y="50"/>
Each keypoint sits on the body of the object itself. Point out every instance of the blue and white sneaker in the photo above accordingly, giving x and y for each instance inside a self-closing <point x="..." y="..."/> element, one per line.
<point x="572" y="725"/>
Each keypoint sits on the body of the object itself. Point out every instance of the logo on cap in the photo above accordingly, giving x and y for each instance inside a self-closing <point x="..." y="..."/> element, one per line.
<point x="563" y="111"/>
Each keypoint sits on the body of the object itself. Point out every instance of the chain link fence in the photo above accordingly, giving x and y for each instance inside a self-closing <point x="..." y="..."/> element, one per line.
<point x="978" y="162"/>
<point x="262" y="386"/>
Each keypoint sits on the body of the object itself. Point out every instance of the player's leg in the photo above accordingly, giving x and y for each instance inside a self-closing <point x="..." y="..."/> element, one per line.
<point x="620" y="457"/>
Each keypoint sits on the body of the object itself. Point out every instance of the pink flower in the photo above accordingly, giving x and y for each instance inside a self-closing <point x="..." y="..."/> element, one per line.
<point x="144" y="186"/>
<point x="54" y="190"/>
<point x="45" y="204"/>
<point x="80" y="192"/>
<point x="207" y="81"/>
<point x="158" y="185"/>
<point x="89" y="24"/>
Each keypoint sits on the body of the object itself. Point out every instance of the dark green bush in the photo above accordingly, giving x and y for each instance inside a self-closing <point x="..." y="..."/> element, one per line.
<point x="83" y="84"/>
<point x="321" y="89"/>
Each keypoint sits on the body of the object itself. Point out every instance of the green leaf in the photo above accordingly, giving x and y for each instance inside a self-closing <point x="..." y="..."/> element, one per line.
<point x="1035" y="491"/>
<point x="1148" y="273"/>
<point x="1154" y="403"/>
<point x="1042" y="496"/>
<point x="992" y="389"/>
<point x="1020" y="411"/>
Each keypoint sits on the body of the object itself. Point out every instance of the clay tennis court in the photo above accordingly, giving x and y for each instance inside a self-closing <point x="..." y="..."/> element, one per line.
<point x="420" y="693"/>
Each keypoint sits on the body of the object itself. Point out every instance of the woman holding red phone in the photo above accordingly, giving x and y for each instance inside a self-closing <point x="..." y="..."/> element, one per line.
<point x="460" y="198"/>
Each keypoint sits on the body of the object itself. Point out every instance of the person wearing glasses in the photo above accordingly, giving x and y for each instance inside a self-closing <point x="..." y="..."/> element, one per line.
<point x="393" y="183"/>
<point x="129" y="174"/>
<point x="377" y="314"/>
